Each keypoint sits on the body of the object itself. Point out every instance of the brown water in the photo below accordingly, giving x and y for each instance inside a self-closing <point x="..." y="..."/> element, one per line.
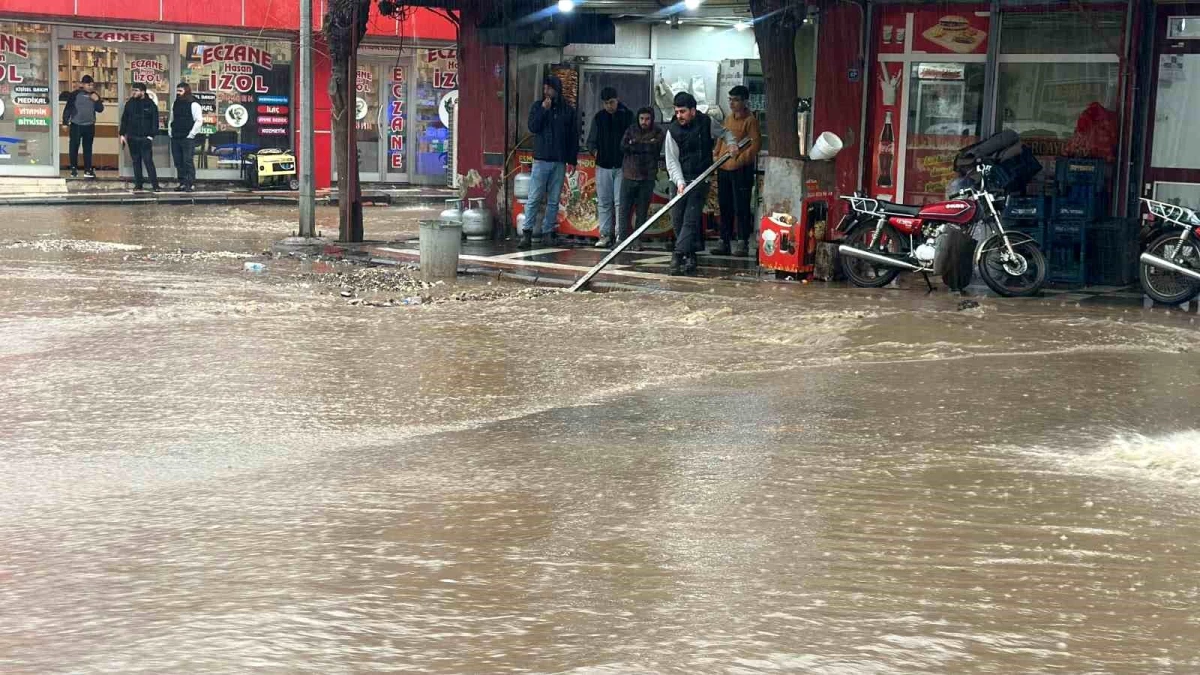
<point x="210" y="471"/>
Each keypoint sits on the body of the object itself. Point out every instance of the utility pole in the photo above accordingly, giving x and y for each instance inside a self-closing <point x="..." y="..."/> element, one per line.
<point x="308" y="196"/>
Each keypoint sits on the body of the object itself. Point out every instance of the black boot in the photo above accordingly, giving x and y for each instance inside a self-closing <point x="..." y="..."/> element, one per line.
<point x="526" y="242"/>
<point x="722" y="248"/>
<point x="676" y="265"/>
<point x="689" y="265"/>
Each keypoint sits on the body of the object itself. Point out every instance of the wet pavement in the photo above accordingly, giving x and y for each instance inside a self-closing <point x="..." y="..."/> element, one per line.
<point x="212" y="471"/>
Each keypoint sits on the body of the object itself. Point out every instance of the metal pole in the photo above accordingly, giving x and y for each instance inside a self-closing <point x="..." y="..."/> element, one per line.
<point x="620" y="248"/>
<point x="308" y="195"/>
<point x="351" y="127"/>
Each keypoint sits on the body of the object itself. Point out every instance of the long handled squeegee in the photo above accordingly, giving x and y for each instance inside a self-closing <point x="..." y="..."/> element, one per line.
<point x="620" y="248"/>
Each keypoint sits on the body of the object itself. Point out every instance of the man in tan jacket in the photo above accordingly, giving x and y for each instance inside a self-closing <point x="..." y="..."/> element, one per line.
<point x="735" y="180"/>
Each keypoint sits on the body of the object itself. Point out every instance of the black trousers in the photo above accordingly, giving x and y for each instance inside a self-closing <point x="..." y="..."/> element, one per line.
<point x="685" y="218"/>
<point x="85" y="134"/>
<point x="181" y="153"/>
<point x="733" y="194"/>
<point x="141" y="151"/>
<point x="635" y="205"/>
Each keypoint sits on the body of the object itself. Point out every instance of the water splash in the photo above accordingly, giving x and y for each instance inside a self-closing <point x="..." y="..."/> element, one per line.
<point x="1174" y="457"/>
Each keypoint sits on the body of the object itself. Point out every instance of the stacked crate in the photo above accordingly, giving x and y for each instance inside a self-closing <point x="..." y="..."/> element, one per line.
<point x="1026" y="215"/>
<point x="1080" y="200"/>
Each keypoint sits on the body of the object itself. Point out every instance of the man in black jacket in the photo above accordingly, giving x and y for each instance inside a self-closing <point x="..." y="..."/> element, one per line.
<point x="139" y="126"/>
<point x="604" y="142"/>
<point x="555" y="126"/>
<point x="79" y="115"/>
<point x="691" y="139"/>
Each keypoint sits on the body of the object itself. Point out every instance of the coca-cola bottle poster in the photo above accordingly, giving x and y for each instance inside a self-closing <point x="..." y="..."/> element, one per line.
<point x="885" y="129"/>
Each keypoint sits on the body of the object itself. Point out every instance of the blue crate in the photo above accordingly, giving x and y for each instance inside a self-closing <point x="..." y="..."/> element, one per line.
<point x="1033" y="228"/>
<point x="1025" y="208"/>
<point x="1084" y="206"/>
<point x="1092" y="173"/>
<point x="1112" y="252"/>
<point x="1067" y="251"/>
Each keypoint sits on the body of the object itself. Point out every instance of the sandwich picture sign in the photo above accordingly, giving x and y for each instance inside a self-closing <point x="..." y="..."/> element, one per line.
<point x="950" y="29"/>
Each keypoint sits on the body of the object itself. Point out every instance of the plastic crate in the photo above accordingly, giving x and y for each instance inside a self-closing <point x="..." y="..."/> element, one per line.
<point x="1067" y="251"/>
<point x="1078" y="205"/>
<point x="1092" y="173"/>
<point x="1025" y="208"/>
<point x="1112" y="252"/>
<point x="1033" y="228"/>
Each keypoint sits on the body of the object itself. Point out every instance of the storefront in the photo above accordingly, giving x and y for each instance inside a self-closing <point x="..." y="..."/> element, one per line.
<point x="401" y="114"/>
<point x="239" y="61"/>
<point x="1172" y="158"/>
<point x="948" y="76"/>
<point x="647" y="65"/>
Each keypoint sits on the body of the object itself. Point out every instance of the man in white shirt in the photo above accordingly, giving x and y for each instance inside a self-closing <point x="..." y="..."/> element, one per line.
<point x="691" y="138"/>
<point x="186" y="120"/>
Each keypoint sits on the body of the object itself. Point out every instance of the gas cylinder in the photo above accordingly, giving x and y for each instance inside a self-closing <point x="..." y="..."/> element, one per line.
<point x="521" y="185"/>
<point x="477" y="221"/>
<point x="452" y="213"/>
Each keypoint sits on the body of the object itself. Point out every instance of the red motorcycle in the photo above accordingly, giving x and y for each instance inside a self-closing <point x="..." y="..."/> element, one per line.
<point x="882" y="238"/>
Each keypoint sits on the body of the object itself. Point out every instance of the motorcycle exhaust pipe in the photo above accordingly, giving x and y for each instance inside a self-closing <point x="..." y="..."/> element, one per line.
<point x="1164" y="264"/>
<point x="877" y="258"/>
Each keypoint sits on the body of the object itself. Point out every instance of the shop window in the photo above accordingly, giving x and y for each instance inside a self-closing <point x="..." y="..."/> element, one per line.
<point x="1084" y="31"/>
<point x="945" y="109"/>
<point x="1047" y="103"/>
<point x="437" y="79"/>
<point x="244" y="86"/>
<point x="26" y="106"/>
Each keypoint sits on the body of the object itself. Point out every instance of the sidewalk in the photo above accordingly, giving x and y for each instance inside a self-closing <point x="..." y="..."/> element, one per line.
<point x="59" y="192"/>
<point x="563" y="265"/>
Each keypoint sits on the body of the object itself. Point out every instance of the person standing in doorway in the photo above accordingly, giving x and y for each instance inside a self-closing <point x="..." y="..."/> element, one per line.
<point x="555" y="126"/>
<point x="79" y="115"/>
<point x="186" y="120"/>
<point x="691" y="138"/>
<point x="139" y="126"/>
<point x="735" y="178"/>
<point x="604" y="142"/>
<point x="642" y="146"/>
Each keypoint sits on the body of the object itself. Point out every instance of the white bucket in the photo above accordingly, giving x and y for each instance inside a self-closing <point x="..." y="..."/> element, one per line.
<point x="827" y="146"/>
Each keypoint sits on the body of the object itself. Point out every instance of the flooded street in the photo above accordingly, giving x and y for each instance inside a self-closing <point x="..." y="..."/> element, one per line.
<point x="210" y="471"/>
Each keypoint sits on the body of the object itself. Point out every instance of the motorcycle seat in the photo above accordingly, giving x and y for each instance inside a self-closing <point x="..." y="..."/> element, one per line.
<point x="899" y="209"/>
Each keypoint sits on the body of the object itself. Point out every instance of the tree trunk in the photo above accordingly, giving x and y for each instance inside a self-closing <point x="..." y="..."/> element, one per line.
<point x="343" y="33"/>
<point x="775" y="26"/>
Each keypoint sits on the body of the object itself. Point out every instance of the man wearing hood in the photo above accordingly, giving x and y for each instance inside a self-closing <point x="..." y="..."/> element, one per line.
<point x="642" y="145"/>
<point x="604" y="142"/>
<point x="555" y="126"/>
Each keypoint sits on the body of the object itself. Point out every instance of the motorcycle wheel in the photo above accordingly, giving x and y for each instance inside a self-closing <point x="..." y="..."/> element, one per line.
<point x="1012" y="279"/>
<point x="1171" y="288"/>
<point x="864" y="273"/>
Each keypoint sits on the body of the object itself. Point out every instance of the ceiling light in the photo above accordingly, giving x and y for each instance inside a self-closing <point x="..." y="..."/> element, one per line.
<point x="565" y="6"/>
<point x="692" y="4"/>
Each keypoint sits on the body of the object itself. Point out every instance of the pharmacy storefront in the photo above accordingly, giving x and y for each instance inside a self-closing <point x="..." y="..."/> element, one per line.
<point x="243" y="83"/>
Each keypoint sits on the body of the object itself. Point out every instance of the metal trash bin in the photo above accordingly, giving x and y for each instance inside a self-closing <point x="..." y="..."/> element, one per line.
<point x="440" y="243"/>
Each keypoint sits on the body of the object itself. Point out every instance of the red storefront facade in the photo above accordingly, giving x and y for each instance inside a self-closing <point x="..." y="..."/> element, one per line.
<point x="241" y="57"/>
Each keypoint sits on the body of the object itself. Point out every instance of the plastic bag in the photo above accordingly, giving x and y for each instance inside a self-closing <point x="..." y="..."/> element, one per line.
<point x="1095" y="134"/>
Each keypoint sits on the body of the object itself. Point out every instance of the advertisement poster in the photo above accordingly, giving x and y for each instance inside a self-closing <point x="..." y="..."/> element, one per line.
<point x="942" y="31"/>
<point x="885" y="117"/>
<point x="577" y="208"/>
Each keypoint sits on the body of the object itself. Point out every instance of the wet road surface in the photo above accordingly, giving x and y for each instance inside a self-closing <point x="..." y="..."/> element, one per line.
<point x="213" y="472"/>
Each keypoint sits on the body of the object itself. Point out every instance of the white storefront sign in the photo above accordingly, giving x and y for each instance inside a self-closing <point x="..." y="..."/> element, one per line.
<point x="113" y="35"/>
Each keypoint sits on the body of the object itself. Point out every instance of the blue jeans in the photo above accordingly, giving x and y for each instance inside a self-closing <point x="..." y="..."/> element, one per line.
<point x="545" y="186"/>
<point x="608" y="195"/>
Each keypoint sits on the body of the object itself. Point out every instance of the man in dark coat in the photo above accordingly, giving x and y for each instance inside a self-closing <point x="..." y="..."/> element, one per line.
<point x="555" y="126"/>
<point x="139" y="126"/>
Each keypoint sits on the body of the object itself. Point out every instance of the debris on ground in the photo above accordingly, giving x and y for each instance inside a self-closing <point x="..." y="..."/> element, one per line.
<point x="70" y="246"/>
<point x="399" y="287"/>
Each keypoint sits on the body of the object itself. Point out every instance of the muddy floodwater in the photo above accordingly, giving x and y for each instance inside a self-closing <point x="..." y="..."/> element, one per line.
<point x="206" y="470"/>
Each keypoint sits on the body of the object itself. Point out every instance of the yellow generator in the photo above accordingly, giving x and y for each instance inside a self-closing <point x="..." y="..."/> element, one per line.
<point x="270" y="167"/>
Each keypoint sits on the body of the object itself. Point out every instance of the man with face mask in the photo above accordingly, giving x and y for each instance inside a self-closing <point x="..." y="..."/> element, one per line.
<point x="604" y="142"/>
<point x="139" y="126"/>
<point x="691" y="139"/>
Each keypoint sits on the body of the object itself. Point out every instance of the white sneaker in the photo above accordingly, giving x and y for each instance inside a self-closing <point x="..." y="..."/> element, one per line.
<point x="605" y="242"/>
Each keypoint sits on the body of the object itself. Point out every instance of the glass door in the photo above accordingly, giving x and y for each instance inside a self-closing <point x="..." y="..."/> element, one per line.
<point x="152" y="69"/>
<point x="393" y="119"/>
<point x="945" y="111"/>
<point x="103" y="65"/>
<point x="367" y="118"/>
<point x="1173" y="158"/>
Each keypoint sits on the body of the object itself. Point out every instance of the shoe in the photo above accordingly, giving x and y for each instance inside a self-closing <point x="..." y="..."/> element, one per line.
<point x="742" y="249"/>
<point x="526" y="242"/>
<point x="689" y="266"/>
<point x="189" y="188"/>
<point x="156" y="189"/>
<point x="138" y="188"/>
<point x="676" y="265"/>
<point x="549" y="240"/>
<point x="74" y="173"/>
<point x="604" y="242"/>
<point x="89" y="174"/>
<point x="722" y="248"/>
